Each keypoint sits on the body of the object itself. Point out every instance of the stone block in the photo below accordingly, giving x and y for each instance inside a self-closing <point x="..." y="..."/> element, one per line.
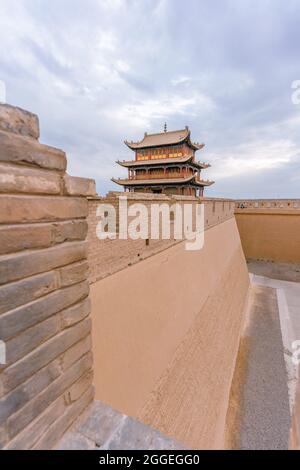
<point x="31" y="338"/>
<point x="76" y="186"/>
<point x="18" y="179"/>
<point x="23" y="150"/>
<point x="17" y="373"/>
<point x="28" y="263"/>
<point x="27" y="438"/>
<point x="78" y="388"/>
<point x="19" y="319"/>
<point x="20" y="209"/>
<point x="70" y="230"/>
<point x="18" y="421"/>
<point x="16" y="238"/>
<point x="16" y="399"/>
<point x="19" y="121"/>
<point x="27" y="290"/>
<point x="73" y="273"/>
<point x="74" y="353"/>
<point x="22" y="237"/>
<point x="55" y="432"/>
<point x="75" y="313"/>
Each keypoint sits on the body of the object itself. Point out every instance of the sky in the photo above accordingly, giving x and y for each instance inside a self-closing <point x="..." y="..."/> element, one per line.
<point x="98" y="72"/>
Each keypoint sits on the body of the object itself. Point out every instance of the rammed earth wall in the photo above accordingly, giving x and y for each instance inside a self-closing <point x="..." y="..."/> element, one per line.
<point x="45" y="323"/>
<point x="166" y="330"/>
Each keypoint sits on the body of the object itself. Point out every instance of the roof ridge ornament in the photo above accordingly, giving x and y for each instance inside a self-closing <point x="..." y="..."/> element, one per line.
<point x="165" y="127"/>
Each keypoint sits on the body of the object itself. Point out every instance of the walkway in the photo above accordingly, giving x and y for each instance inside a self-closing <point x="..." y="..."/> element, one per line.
<point x="264" y="415"/>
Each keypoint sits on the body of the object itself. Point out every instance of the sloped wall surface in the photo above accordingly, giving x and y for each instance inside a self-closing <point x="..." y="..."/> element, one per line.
<point x="166" y="334"/>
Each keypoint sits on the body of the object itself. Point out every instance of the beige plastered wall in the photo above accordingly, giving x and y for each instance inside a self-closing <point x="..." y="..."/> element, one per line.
<point x="270" y="234"/>
<point x="166" y="334"/>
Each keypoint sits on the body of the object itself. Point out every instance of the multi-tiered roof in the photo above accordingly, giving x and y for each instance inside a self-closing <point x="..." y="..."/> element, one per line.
<point x="166" y="163"/>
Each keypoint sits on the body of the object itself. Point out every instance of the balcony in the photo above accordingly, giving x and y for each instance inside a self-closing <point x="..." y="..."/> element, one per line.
<point x="161" y="175"/>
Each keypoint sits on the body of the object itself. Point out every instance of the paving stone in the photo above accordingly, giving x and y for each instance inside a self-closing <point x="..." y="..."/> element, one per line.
<point x="107" y="429"/>
<point x="75" y="441"/>
<point x="133" y="435"/>
<point x="101" y="423"/>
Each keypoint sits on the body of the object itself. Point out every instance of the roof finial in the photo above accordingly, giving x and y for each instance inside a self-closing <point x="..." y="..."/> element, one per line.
<point x="165" y="127"/>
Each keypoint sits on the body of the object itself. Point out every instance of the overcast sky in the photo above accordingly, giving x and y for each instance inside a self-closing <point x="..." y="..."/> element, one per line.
<point x="101" y="71"/>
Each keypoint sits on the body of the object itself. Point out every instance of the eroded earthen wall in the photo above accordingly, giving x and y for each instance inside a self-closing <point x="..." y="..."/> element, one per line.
<point x="166" y="333"/>
<point x="270" y="229"/>
<point x="45" y="323"/>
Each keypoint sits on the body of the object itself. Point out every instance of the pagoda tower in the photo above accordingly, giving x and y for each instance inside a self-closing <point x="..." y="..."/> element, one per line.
<point x="165" y="163"/>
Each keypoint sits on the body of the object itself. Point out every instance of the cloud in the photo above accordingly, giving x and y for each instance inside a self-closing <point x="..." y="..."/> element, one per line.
<point x="100" y="71"/>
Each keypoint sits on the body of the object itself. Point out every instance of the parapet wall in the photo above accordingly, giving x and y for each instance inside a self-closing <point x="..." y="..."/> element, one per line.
<point x="270" y="228"/>
<point x="166" y="330"/>
<point x="45" y="326"/>
<point x="108" y="256"/>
